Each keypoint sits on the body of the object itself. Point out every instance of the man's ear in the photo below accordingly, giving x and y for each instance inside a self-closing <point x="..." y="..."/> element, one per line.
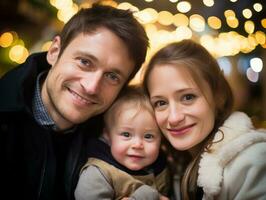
<point x="54" y="50"/>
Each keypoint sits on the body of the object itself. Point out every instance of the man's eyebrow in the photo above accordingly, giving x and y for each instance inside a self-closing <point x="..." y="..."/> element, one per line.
<point x="87" y="55"/>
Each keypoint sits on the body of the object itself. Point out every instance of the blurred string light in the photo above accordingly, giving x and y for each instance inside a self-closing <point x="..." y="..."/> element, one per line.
<point x="163" y="27"/>
<point x="256" y="64"/>
<point x="247" y="13"/>
<point x="18" y="53"/>
<point x="6" y="39"/>
<point x="252" y="75"/>
<point x="190" y="24"/>
<point x="183" y="6"/>
<point x="257" y="7"/>
<point x="15" y="46"/>
<point x="66" y="9"/>
<point x="208" y="3"/>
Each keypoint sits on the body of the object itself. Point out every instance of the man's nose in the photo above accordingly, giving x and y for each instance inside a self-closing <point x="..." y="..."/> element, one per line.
<point x="91" y="82"/>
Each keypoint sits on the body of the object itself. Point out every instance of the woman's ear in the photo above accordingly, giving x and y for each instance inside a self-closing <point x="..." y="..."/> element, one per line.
<point x="54" y="50"/>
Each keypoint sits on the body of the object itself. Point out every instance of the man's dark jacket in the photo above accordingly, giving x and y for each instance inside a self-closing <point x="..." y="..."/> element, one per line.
<point x="28" y="160"/>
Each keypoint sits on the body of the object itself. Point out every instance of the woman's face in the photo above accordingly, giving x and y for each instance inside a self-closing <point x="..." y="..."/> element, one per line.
<point x="182" y="111"/>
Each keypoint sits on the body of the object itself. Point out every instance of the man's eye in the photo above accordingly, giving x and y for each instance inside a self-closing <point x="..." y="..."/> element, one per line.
<point x="113" y="77"/>
<point x="85" y="62"/>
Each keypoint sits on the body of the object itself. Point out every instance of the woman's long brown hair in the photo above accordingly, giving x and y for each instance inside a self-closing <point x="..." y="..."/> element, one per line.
<point x="201" y="66"/>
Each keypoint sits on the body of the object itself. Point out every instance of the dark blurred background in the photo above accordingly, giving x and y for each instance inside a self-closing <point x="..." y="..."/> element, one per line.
<point x="232" y="30"/>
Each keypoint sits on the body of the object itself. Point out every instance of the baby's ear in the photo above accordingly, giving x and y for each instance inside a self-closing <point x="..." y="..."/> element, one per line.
<point x="106" y="135"/>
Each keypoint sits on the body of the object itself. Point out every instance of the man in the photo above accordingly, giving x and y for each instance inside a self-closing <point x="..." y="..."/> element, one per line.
<point x="46" y="102"/>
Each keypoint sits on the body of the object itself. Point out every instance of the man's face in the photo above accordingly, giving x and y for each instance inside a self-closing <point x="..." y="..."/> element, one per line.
<point x="87" y="77"/>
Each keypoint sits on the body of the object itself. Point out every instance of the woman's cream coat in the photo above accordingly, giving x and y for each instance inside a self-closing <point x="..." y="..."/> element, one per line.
<point x="236" y="167"/>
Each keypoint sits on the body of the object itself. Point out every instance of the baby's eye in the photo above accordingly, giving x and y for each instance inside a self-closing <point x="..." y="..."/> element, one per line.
<point x="125" y="134"/>
<point x="148" y="136"/>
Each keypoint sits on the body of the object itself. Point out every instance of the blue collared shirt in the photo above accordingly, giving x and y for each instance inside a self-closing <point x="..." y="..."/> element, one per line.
<point x="40" y="113"/>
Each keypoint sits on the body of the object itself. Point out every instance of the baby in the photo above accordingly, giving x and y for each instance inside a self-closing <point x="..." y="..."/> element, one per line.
<point x="128" y="161"/>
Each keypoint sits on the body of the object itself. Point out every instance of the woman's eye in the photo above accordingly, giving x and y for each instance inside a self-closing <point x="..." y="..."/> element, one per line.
<point x="159" y="104"/>
<point x="188" y="97"/>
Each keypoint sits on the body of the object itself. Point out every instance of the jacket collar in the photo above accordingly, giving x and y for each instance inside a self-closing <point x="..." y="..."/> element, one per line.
<point x="238" y="134"/>
<point x="17" y="86"/>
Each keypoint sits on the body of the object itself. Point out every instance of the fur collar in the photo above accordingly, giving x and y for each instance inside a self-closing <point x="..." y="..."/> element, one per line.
<point x="238" y="133"/>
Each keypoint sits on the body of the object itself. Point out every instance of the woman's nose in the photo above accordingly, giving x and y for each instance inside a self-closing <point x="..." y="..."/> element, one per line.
<point x="175" y="116"/>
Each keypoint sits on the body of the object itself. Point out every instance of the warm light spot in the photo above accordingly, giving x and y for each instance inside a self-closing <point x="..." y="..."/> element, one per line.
<point x="180" y="19"/>
<point x="127" y="6"/>
<point x="247" y="13"/>
<point x="146" y="16"/>
<point x="249" y="26"/>
<point x="183" y="6"/>
<point x="260" y="37"/>
<point x="183" y="32"/>
<point x="65" y="14"/>
<point x="197" y="23"/>
<point x="6" y="39"/>
<point x="61" y="4"/>
<point x="229" y="13"/>
<point x="208" y="3"/>
<point x="263" y="23"/>
<point x="165" y="18"/>
<point x="257" y="7"/>
<point x="18" y="54"/>
<point x="214" y="22"/>
<point x="232" y="22"/>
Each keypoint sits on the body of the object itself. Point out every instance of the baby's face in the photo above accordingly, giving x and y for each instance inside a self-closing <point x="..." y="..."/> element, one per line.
<point x="135" y="138"/>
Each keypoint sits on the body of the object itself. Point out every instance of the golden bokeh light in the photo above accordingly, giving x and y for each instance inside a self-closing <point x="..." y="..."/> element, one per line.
<point x="197" y="23"/>
<point x="249" y="26"/>
<point x="208" y="3"/>
<point x="247" y="13"/>
<point x="180" y="19"/>
<point x="214" y="22"/>
<point x="18" y="54"/>
<point x="6" y="39"/>
<point x="183" y="6"/>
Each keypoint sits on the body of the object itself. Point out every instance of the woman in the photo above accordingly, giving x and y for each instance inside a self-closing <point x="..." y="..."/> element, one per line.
<point x="222" y="155"/>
